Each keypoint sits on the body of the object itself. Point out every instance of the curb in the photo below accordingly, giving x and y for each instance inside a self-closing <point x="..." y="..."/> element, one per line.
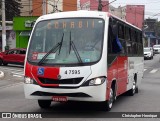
<point x="1" y="74"/>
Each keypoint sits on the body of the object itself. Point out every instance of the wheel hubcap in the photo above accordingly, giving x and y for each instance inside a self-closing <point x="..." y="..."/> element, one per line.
<point x="111" y="98"/>
<point x="134" y="86"/>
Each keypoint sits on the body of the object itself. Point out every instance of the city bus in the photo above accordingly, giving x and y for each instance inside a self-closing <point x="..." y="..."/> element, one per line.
<point x="82" y="56"/>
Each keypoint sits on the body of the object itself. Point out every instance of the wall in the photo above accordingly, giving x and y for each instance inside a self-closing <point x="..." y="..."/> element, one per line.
<point x="27" y="7"/>
<point x="119" y="12"/>
<point x="135" y="15"/>
<point x="51" y="4"/>
<point x="69" y="5"/>
<point x="93" y="5"/>
<point x="10" y="37"/>
<point x="37" y="9"/>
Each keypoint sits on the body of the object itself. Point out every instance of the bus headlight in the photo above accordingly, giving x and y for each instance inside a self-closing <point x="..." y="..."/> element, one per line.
<point x="94" y="82"/>
<point x="28" y="80"/>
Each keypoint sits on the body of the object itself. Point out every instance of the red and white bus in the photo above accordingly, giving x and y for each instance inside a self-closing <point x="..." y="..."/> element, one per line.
<point x="83" y="56"/>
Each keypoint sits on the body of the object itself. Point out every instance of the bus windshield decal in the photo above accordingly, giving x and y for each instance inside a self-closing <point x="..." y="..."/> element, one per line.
<point x="38" y="56"/>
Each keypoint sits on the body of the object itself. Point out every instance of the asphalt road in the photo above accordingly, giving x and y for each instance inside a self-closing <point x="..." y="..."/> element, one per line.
<point x="147" y="100"/>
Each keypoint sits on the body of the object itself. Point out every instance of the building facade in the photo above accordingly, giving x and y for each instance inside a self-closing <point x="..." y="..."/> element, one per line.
<point x="10" y="36"/>
<point x="36" y="7"/>
<point x="93" y="5"/>
<point x="22" y="27"/>
<point x="151" y="32"/>
<point x="135" y="15"/>
<point x="33" y="7"/>
<point x="120" y="12"/>
<point x="27" y="7"/>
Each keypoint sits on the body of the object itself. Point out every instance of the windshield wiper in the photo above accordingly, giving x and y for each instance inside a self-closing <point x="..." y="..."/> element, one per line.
<point x="54" y="49"/>
<point x="75" y="50"/>
<point x="61" y="43"/>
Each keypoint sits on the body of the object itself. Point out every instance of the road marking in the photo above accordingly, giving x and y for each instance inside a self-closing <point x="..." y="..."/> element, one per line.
<point x="145" y="69"/>
<point x="153" y="71"/>
<point x="10" y="69"/>
<point x="13" y="65"/>
<point x="20" y="74"/>
<point x="15" y="73"/>
<point x="17" y="76"/>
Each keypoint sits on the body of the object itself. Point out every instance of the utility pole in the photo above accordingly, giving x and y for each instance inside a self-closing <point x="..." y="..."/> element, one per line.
<point x="3" y="26"/>
<point x="100" y="5"/>
<point x="44" y="7"/>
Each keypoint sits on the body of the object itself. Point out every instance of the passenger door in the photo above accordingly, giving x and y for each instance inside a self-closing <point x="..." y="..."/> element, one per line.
<point x="10" y="56"/>
<point x="21" y="55"/>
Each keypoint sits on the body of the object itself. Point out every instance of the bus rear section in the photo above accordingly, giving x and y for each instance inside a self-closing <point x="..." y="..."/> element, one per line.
<point x="71" y="57"/>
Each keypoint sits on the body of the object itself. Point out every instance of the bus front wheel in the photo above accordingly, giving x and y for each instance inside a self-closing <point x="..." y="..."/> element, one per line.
<point x="44" y="103"/>
<point x="107" y="105"/>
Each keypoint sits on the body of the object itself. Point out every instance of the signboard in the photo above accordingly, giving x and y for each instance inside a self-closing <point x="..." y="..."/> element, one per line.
<point x="7" y="28"/>
<point x="29" y="23"/>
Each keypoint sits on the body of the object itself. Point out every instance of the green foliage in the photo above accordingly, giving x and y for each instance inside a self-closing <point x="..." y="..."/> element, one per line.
<point x="12" y="9"/>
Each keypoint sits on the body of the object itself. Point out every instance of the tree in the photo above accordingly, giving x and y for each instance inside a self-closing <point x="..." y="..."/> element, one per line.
<point x="12" y="9"/>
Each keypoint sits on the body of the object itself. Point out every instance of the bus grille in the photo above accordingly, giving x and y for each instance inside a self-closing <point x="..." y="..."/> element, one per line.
<point x="79" y="94"/>
<point x="62" y="81"/>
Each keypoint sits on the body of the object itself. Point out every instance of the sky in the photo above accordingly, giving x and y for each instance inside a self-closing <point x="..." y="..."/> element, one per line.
<point x="152" y="7"/>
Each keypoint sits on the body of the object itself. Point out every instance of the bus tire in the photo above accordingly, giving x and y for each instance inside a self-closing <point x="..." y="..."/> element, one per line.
<point x="132" y="91"/>
<point x="44" y="103"/>
<point x="111" y="99"/>
<point x="107" y="105"/>
<point x="136" y="91"/>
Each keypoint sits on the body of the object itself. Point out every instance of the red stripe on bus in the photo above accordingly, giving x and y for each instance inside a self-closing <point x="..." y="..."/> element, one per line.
<point x="49" y="73"/>
<point x="118" y="71"/>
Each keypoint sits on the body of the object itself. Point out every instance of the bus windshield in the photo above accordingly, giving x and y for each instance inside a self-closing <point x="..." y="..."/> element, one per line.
<point x="67" y="41"/>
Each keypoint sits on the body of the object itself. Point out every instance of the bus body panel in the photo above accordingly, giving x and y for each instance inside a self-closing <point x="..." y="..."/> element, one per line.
<point x="58" y="73"/>
<point x="96" y="93"/>
<point x="117" y="71"/>
<point x="135" y="66"/>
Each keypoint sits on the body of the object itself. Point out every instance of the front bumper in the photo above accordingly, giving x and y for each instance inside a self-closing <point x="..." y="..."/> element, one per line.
<point x="147" y="56"/>
<point x="156" y="51"/>
<point x="86" y="93"/>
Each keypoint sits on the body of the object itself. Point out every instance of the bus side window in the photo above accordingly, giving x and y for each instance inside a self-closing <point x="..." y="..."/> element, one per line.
<point x="128" y="40"/>
<point x="110" y="36"/>
<point x="121" y="32"/>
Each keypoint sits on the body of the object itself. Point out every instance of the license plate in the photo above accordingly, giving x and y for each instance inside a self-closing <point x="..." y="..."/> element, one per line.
<point x="59" y="98"/>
